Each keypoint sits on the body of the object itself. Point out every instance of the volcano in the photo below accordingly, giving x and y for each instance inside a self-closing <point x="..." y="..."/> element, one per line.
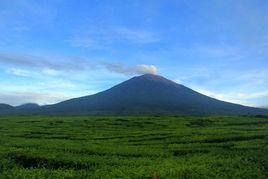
<point x="149" y="94"/>
<point x="142" y="95"/>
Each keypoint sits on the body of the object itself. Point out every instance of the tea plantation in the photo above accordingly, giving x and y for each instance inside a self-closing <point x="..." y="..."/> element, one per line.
<point x="133" y="147"/>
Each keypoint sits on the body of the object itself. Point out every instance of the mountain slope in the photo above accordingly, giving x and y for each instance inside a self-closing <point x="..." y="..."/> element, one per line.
<point x="142" y="95"/>
<point x="148" y="94"/>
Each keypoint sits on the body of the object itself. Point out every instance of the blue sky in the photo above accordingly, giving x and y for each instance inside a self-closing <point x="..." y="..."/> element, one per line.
<point x="52" y="50"/>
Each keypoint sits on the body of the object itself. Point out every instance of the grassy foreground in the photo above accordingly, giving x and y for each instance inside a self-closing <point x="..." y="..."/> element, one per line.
<point x="134" y="147"/>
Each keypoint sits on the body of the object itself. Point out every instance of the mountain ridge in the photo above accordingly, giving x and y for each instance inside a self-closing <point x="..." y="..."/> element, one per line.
<point x="144" y="95"/>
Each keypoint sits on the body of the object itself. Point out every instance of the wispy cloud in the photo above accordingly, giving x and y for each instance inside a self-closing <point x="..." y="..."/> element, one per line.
<point x="98" y="36"/>
<point x="56" y="83"/>
<point x="41" y="90"/>
<point x="19" y="72"/>
<point x="236" y="96"/>
<point x="136" y="35"/>
<point x="56" y="65"/>
<point x="13" y="14"/>
<point x="247" y="86"/>
<point x="50" y="72"/>
<point x="30" y="73"/>
<point x="20" y="97"/>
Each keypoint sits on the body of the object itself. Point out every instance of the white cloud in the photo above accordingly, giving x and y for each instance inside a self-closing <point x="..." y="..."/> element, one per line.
<point x="19" y="72"/>
<point x="146" y="69"/>
<point x="130" y="70"/>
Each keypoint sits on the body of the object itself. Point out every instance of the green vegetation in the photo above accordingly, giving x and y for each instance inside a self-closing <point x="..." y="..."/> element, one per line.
<point x="133" y="147"/>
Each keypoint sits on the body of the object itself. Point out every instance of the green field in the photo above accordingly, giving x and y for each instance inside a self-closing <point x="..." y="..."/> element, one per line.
<point x="133" y="147"/>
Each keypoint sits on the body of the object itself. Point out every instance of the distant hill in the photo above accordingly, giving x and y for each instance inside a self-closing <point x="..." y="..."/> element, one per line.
<point x="5" y="107"/>
<point x="28" y="106"/>
<point x="144" y="95"/>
